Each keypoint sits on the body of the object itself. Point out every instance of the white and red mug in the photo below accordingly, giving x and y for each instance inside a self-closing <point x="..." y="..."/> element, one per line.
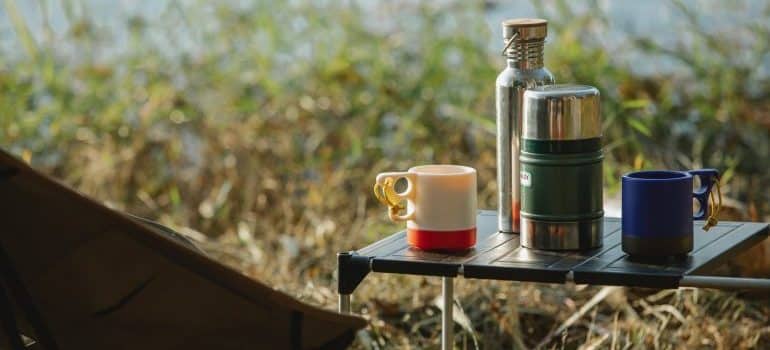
<point x="441" y="205"/>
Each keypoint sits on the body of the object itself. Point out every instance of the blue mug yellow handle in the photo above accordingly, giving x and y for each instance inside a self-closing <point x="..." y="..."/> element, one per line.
<point x="708" y="177"/>
<point x="658" y="213"/>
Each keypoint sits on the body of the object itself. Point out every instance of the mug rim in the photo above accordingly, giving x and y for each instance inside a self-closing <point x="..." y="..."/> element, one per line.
<point x="667" y="175"/>
<point x="449" y="169"/>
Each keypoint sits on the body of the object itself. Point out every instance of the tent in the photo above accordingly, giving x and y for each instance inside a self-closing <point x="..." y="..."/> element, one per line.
<point x="75" y="274"/>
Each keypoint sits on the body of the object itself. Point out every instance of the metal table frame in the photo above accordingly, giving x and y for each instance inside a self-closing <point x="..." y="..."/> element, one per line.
<point x="498" y="256"/>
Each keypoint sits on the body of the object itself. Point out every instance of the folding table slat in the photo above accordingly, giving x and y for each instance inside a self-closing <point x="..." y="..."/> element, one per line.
<point x="742" y="236"/>
<point x="709" y="249"/>
<point x="500" y="256"/>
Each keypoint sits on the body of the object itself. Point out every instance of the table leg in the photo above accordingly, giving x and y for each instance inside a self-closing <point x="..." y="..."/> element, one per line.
<point x="344" y="303"/>
<point x="719" y="282"/>
<point x="351" y="270"/>
<point x="447" y="324"/>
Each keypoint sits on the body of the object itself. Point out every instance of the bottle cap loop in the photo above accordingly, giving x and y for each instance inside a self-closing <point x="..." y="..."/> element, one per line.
<point x="715" y="205"/>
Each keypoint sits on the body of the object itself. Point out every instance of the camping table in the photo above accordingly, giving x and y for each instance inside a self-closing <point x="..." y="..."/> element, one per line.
<point x="499" y="256"/>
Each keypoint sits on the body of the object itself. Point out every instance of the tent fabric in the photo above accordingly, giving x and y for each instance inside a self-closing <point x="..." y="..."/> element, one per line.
<point x="78" y="275"/>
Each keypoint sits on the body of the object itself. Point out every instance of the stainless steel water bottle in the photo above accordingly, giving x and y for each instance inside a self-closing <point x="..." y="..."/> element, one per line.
<point x="561" y="168"/>
<point x="524" y="40"/>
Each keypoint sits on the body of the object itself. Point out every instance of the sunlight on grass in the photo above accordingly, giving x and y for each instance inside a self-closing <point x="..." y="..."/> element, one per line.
<point x="262" y="125"/>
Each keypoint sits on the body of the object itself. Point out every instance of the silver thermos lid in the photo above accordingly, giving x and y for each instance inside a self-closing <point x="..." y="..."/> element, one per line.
<point x="561" y="112"/>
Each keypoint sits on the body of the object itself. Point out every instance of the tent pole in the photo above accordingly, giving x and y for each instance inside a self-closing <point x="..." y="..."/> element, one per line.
<point x="447" y="325"/>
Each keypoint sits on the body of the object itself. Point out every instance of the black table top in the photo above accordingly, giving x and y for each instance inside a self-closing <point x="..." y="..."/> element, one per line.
<point x="499" y="256"/>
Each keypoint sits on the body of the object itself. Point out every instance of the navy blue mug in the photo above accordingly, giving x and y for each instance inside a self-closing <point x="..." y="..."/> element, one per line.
<point x="658" y="210"/>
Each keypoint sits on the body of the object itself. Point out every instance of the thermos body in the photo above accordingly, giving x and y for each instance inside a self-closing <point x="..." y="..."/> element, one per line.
<point x="561" y="168"/>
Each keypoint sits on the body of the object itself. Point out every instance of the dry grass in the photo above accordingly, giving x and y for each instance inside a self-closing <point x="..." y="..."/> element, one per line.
<point x="263" y="146"/>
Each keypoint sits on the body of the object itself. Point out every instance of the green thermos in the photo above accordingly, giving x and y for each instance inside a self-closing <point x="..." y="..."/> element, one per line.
<point x="561" y="168"/>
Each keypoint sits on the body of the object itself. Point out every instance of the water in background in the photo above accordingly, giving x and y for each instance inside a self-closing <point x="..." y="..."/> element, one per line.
<point x="656" y="19"/>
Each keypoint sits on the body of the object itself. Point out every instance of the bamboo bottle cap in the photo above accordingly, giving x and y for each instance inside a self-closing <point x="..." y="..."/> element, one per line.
<point x="527" y="29"/>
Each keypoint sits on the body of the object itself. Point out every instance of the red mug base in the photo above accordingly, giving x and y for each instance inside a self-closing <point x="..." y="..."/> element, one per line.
<point x="441" y="240"/>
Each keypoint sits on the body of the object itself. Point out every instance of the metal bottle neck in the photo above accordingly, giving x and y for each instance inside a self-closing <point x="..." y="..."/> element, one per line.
<point x="526" y="54"/>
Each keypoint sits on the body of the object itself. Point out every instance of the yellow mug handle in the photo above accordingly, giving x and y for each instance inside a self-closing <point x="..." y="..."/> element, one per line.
<point x="385" y="192"/>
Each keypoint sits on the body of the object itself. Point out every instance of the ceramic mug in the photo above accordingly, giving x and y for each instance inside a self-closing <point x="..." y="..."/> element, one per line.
<point x="441" y="205"/>
<point x="657" y="212"/>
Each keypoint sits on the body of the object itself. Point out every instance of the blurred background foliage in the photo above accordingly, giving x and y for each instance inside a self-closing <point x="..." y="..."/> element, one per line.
<point x="256" y="128"/>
